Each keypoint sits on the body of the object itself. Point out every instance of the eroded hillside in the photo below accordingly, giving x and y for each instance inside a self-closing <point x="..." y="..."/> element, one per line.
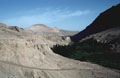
<point x="25" y="55"/>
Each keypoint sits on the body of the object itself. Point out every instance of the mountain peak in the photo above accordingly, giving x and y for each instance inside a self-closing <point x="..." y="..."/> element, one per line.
<point x="42" y="28"/>
<point x="40" y="25"/>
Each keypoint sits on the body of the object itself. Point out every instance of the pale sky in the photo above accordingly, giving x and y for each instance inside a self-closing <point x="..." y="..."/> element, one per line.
<point x="64" y="14"/>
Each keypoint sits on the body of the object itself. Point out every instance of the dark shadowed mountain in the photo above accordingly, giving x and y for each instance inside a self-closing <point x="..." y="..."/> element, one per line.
<point x="106" y="20"/>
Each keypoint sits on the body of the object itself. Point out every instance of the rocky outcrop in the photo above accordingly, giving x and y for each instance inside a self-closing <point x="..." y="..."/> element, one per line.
<point x="2" y="25"/>
<point x="15" y="28"/>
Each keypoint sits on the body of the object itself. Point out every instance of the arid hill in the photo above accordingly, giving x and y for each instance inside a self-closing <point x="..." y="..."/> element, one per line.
<point x="43" y="29"/>
<point x="26" y="55"/>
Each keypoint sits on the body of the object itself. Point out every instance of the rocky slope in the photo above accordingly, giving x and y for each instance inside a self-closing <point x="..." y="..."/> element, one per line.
<point x="45" y="30"/>
<point x="106" y="20"/>
<point x="25" y="55"/>
<point x="110" y="36"/>
<point x="105" y="29"/>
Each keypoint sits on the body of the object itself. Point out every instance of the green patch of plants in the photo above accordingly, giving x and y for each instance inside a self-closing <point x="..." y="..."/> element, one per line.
<point x="91" y="51"/>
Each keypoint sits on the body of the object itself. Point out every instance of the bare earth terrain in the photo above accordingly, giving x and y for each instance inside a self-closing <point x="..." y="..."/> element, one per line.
<point x="25" y="55"/>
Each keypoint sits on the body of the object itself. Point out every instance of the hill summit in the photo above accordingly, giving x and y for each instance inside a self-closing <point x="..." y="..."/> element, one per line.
<point x="46" y="30"/>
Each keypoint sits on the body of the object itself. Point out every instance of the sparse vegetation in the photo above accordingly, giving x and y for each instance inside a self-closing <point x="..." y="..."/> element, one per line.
<point x="91" y="51"/>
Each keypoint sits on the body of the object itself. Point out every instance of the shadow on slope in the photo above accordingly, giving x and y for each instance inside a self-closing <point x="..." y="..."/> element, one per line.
<point x="90" y="51"/>
<point x="106" y="20"/>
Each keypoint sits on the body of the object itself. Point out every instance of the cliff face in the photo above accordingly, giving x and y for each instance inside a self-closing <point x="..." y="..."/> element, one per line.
<point x="25" y="55"/>
<point x="106" y="20"/>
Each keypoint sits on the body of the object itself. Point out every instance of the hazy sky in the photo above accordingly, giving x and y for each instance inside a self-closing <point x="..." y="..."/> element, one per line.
<point x="65" y="14"/>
